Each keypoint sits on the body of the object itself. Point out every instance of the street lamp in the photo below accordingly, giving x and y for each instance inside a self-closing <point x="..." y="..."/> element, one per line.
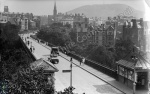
<point x="71" y="88"/>
<point x="134" y="83"/>
<point x="71" y="73"/>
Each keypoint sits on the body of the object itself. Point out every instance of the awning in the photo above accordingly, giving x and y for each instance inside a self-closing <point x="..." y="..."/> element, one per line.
<point x="126" y="63"/>
<point x="137" y="60"/>
<point x="142" y="64"/>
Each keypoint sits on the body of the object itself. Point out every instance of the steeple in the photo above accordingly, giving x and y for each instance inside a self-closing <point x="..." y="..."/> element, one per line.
<point x="55" y="11"/>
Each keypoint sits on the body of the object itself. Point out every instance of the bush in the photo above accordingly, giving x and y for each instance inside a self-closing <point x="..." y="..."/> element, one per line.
<point x="14" y="64"/>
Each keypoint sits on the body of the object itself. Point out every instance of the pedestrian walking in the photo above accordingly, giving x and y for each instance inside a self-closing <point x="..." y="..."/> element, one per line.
<point x="31" y="49"/>
<point x="71" y="59"/>
<point x="65" y="52"/>
<point x="80" y="61"/>
<point x="83" y="60"/>
<point x="28" y="42"/>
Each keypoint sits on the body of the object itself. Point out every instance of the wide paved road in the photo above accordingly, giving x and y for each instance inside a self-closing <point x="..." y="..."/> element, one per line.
<point x="83" y="81"/>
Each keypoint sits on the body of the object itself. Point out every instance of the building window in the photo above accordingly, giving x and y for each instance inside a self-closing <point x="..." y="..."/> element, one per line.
<point x="130" y="75"/>
<point x="121" y="71"/>
<point x="125" y="73"/>
<point x="110" y="33"/>
<point x="85" y="25"/>
<point x="109" y="43"/>
<point x="109" y="38"/>
<point x="79" y="24"/>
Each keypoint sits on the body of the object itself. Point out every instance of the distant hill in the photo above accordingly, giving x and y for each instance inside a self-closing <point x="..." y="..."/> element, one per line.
<point x="106" y="10"/>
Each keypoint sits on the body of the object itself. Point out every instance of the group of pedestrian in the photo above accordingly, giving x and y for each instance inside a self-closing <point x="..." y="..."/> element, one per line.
<point x="81" y="62"/>
<point x="32" y="49"/>
<point x="28" y="43"/>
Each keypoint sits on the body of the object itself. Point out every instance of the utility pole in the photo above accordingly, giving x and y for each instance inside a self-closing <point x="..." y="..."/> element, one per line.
<point x="71" y="73"/>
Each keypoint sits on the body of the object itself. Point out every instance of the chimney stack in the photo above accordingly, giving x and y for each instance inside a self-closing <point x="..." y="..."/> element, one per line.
<point x="134" y="22"/>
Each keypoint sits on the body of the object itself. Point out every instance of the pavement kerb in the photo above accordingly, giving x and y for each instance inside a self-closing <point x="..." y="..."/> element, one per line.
<point x="83" y="68"/>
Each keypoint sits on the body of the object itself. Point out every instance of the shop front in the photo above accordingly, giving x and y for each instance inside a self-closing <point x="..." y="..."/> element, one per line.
<point x="134" y="73"/>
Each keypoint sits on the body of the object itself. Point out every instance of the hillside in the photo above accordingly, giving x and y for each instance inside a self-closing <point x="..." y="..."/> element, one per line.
<point x="106" y="10"/>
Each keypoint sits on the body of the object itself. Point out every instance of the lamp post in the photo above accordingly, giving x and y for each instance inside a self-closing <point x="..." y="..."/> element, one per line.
<point x="71" y="73"/>
<point x="71" y="88"/>
<point x="134" y="82"/>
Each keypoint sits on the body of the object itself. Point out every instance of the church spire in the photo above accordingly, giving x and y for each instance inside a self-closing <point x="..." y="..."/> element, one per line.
<point x="55" y="11"/>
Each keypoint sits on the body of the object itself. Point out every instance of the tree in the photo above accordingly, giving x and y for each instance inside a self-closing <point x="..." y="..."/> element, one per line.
<point x="103" y="56"/>
<point x="67" y="25"/>
<point x="32" y="82"/>
<point x="122" y="48"/>
<point x="73" y="36"/>
<point x="11" y="32"/>
<point x="54" y="37"/>
<point x="15" y="67"/>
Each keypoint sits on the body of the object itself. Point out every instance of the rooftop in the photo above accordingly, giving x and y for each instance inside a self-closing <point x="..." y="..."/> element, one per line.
<point x="135" y="60"/>
<point x="47" y="66"/>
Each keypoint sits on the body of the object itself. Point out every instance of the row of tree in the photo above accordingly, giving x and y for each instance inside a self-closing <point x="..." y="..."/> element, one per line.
<point x="100" y="54"/>
<point x="16" y="76"/>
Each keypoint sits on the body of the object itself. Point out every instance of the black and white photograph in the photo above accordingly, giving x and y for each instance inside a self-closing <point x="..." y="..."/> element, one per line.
<point x="74" y="46"/>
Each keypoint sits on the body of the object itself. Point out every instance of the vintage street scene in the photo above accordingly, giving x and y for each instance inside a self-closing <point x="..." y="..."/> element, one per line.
<point x="74" y="47"/>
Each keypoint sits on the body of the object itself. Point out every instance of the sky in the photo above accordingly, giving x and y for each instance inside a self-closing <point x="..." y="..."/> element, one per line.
<point x="45" y="7"/>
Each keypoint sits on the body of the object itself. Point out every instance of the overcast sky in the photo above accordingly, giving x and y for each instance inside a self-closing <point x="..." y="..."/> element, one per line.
<point x="45" y="7"/>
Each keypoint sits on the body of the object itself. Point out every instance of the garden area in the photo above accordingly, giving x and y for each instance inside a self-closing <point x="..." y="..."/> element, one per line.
<point x="16" y="76"/>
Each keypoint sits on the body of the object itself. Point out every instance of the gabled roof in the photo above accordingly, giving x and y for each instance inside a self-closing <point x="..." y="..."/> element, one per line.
<point x="126" y="63"/>
<point x="12" y="20"/>
<point x="47" y="66"/>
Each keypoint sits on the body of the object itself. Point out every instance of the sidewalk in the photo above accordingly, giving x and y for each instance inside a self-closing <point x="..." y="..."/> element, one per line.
<point x="105" y="77"/>
<point x="100" y="75"/>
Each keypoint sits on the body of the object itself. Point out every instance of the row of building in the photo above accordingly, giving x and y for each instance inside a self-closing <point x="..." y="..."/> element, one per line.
<point x="28" y="21"/>
<point x="89" y="30"/>
<point x="25" y="21"/>
<point x="109" y="31"/>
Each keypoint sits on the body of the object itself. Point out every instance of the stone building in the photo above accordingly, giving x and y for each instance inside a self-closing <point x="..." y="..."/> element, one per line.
<point x="134" y="31"/>
<point x="6" y="9"/>
<point x="147" y="35"/>
<point x="108" y="36"/>
<point x="24" y="23"/>
<point x="67" y="20"/>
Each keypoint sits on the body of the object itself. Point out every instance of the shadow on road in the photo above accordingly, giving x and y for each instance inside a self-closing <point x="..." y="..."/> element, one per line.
<point x="106" y="89"/>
